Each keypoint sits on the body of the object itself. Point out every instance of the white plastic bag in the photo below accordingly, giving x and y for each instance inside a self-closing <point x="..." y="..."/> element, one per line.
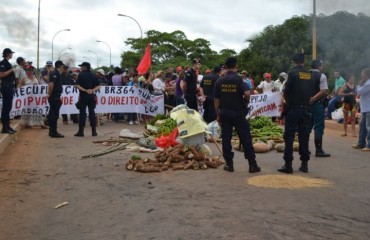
<point x="214" y="129"/>
<point x="337" y="114"/>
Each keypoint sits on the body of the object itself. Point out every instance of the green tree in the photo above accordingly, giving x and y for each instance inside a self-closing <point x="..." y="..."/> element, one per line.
<point x="342" y="43"/>
<point x="173" y="49"/>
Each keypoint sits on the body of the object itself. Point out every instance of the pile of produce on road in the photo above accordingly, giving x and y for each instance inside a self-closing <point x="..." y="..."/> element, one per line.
<point x="160" y="125"/>
<point x="266" y="135"/>
<point x="180" y="157"/>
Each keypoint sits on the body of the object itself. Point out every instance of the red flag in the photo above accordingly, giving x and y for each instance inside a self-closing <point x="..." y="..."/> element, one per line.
<point x="145" y="62"/>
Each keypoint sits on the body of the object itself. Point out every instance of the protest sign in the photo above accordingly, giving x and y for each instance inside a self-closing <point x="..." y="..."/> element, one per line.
<point x="32" y="99"/>
<point x="264" y="105"/>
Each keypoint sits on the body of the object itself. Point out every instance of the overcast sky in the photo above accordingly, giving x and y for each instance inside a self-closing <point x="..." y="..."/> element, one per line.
<point x="226" y="24"/>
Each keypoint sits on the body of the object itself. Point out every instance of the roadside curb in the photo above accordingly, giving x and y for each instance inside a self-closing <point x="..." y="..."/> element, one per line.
<point x="6" y="139"/>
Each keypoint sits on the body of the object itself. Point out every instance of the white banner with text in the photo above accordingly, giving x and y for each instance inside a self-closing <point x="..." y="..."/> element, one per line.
<point x="264" y="105"/>
<point x="31" y="99"/>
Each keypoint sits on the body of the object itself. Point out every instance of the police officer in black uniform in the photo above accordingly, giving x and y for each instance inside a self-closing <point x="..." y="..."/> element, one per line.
<point x="55" y="90"/>
<point x="317" y="105"/>
<point x="231" y="99"/>
<point x="7" y="77"/>
<point x="88" y="84"/>
<point x="190" y="85"/>
<point x="297" y="93"/>
<point x="207" y="86"/>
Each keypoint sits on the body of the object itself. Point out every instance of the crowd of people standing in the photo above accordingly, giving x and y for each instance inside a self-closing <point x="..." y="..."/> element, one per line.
<point x="304" y="107"/>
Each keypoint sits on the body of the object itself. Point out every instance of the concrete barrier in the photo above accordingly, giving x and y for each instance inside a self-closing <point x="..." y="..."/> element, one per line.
<point x="6" y="139"/>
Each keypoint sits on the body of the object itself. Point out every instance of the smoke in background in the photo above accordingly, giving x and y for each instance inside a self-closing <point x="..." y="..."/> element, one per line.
<point x="343" y="42"/>
<point x="68" y="59"/>
<point x="353" y="6"/>
<point x="20" y="29"/>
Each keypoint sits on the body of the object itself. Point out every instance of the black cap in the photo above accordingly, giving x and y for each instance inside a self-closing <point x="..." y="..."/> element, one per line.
<point x="217" y="69"/>
<point x="85" y="64"/>
<point x="315" y="64"/>
<point x="49" y="63"/>
<point x="298" y="58"/>
<point x="58" y="64"/>
<point x="7" y="51"/>
<point x="196" y="61"/>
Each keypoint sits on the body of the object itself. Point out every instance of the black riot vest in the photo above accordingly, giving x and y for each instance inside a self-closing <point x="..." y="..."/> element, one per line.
<point x="58" y="87"/>
<point x="300" y="88"/>
<point x="315" y="77"/>
<point x="231" y="94"/>
<point x="208" y="84"/>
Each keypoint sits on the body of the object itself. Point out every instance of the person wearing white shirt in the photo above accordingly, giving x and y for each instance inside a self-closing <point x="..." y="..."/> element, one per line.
<point x="279" y="83"/>
<point x="20" y="73"/>
<point x="159" y="85"/>
<point x="267" y="86"/>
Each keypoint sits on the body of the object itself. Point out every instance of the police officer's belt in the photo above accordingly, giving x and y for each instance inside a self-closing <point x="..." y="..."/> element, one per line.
<point x="299" y="106"/>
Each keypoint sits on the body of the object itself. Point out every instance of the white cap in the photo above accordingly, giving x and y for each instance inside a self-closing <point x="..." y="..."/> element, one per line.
<point x="101" y="71"/>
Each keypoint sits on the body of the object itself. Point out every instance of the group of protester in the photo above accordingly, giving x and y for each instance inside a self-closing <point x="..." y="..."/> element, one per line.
<point x="223" y="94"/>
<point x="55" y="76"/>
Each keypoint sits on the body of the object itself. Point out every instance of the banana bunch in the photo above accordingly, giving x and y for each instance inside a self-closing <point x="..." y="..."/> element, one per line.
<point x="263" y="129"/>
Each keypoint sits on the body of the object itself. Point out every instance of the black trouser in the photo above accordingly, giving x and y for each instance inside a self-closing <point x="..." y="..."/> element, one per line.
<point x="209" y="110"/>
<point x="192" y="101"/>
<point x="53" y="115"/>
<point x="296" y="118"/>
<point x="7" y="91"/>
<point x="230" y="119"/>
<point x="74" y="117"/>
<point x="90" y="103"/>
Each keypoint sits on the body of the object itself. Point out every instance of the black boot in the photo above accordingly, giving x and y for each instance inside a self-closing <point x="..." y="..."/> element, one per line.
<point x="229" y="166"/>
<point x="6" y="127"/>
<point x="7" y="131"/>
<point x="304" y="167"/>
<point x="287" y="168"/>
<point x="11" y="129"/>
<point x="319" y="151"/>
<point x="80" y="132"/>
<point x="55" y="134"/>
<point x="253" y="167"/>
<point x="93" y="132"/>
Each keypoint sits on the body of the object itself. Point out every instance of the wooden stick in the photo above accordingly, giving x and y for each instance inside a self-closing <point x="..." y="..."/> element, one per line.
<point x="115" y="147"/>
<point x="218" y="146"/>
<point x="114" y="141"/>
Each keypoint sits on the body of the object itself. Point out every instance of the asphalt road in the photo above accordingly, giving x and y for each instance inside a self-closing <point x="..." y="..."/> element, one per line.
<point x="105" y="201"/>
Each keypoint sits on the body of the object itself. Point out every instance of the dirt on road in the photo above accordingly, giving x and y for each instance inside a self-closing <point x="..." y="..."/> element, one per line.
<point x="105" y="201"/>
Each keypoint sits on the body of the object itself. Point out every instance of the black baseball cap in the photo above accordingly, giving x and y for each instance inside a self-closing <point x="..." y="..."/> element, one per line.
<point x="49" y="63"/>
<point x="7" y="50"/>
<point x="58" y="64"/>
<point x="85" y="64"/>
<point x="217" y="69"/>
